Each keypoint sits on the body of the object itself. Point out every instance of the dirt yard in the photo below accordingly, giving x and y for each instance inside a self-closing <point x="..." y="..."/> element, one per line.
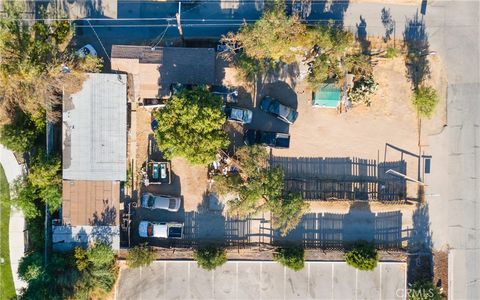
<point x="188" y="181"/>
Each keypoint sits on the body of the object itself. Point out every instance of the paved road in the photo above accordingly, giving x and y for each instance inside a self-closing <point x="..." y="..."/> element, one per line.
<point x="262" y="280"/>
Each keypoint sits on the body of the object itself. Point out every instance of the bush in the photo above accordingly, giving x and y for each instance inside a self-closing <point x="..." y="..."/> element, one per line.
<point x="140" y="256"/>
<point x="424" y="290"/>
<point x="425" y="100"/>
<point x="20" y="135"/>
<point x="391" y="52"/>
<point x="287" y="211"/>
<point x="210" y="257"/>
<point x="362" y="90"/>
<point x="291" y="257"/>
<point x="31" y="266"/>
<point x="363" y="256"/>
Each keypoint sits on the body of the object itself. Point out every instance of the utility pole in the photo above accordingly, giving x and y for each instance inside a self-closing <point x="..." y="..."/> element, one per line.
<point x="179" y="24"/>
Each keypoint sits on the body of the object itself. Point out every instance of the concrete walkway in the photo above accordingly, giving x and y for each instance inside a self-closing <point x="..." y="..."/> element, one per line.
<point x="17" y="221"/>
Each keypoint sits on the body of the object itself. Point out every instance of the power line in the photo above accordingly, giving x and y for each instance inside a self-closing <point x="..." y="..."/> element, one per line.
<point x="163" y="34"/>
<point x="101" y="44"/>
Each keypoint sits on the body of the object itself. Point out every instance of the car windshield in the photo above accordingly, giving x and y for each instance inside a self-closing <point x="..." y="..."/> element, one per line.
<point x="151" y="201"/>
<point x="172" y="203"/>
<point x="150" y="229"/>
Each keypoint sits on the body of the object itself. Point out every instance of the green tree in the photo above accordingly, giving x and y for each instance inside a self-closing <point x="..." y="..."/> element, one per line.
<point x="292" y="257"/>
<point x="190" y="126"/>
<point x="140" y="256"/>
<point x="25" y="197"/>
<point x="363" y="256"/>
<point x="252" y="159"/>
<point x="287" y="211"/>
<point x="210" y="257"/>
<point x="31" y="267"/>
<point x="20" y="135"/>
<point x="45" y="176"/>
<point x="273" y="36"/>
<point x="425" y="100"/>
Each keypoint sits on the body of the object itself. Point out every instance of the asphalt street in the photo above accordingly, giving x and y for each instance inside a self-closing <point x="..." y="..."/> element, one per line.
<point x="453" y="31"/>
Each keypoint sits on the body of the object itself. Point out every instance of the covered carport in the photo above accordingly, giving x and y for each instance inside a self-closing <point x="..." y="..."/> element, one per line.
<point x="262" y="280"/>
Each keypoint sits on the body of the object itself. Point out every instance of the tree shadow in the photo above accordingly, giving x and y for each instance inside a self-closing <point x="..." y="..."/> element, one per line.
<point x="416" y="41"/>
<point x="337" y="231"/>
<point x="388" y="23"/>
<point x="362" y="37"/>
<point x="420" y="264"/>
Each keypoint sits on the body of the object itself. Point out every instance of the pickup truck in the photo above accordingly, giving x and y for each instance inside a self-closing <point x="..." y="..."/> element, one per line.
<point x="267" y="138"/>
<point x="165" y="230"/>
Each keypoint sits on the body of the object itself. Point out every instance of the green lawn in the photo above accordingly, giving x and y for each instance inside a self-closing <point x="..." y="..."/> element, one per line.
<point x="7" y="289"/>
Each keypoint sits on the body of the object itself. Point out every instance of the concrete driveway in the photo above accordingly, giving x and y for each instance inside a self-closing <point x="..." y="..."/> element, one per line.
<point x="262" y="280"/>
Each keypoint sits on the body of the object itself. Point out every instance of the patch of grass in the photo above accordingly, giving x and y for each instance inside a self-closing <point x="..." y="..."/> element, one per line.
<point x="7" y="288"/>
<point x="391" y="52"/>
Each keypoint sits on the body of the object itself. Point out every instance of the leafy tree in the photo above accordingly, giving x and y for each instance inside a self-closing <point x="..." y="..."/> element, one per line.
<point x="25" y="197"/>
<point x="425" y="100"/>
<point x="32" y="57"/>
<point x="227" y="184"/>
<point x="292" y="257"/>
<point x="253" y="159"/>
<point x="140" y="256"/>
<point x="424" y="290"/>
<point x="45" y="177"/>
<point x="363" y="256"/>
<point x="210" y="257"/>
<point x="191" y="126"/>
<point x="273" y="36"/>
<point x="20" y="135"/>
<point x="287" y="211"/>
<point x="31" y="267"/>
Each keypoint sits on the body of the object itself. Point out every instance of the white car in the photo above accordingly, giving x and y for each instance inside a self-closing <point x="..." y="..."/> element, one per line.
<point x="86" y="50"/>
<point x="165" y="202"/>
<point x="238" y="114"/>
<point x="163" y="230"/>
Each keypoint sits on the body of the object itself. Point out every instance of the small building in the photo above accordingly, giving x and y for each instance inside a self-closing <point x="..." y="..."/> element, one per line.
<point x="94" y="162"/>
<point x="327" y="95"/>
<point x="154" y="70"/>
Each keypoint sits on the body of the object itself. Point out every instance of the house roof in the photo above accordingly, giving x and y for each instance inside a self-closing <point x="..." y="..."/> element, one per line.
<point x="95" y="129"/>
<point x="93" y="203"/>
<point x="159" y="67"/>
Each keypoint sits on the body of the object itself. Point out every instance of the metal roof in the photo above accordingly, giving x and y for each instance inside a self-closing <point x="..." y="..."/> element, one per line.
<point x="95" y="129"/>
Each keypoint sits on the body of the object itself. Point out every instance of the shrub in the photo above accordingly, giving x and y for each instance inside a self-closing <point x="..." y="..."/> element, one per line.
<point x="30" y="267"/>
<point x="425" y="100"/>
<point x="424" y="290"/>
<point x="391" y="52"/>
<point x="287" y="211"/>
<point x="140" y="256"/>
<point x="363" y="256"/>
<point x="210" y="257"/>
<point x="362" y="90"/>
<point x="291" y="257"/>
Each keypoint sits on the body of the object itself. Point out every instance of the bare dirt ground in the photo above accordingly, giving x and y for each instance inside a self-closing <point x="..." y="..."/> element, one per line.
<point x="362" y="131"/>
<point x="440" y="270"/>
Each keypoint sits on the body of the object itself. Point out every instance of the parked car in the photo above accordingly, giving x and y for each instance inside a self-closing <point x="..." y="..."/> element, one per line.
<point x="165" y="202"/>
<point x="228" y="95"/>
<point x="267" y="138"/>
<point x="86" y="50"/>
<point x="238" y="114"/>
<point x="165" y="230"/>
<point x="273" y="106"/>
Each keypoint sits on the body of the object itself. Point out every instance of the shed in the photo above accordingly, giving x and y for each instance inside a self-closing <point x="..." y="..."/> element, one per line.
<point x="327" y="96"/>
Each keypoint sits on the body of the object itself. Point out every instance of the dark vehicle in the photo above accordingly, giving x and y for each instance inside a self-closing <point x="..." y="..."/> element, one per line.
<point x="267" y="138"/>
<point x="281" y="111"/>
<point x="238" y="114"/>
<point x="228" y="95"/>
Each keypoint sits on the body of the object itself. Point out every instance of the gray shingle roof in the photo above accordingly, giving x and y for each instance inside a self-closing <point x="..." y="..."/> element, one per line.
<point x="95" y="129"/>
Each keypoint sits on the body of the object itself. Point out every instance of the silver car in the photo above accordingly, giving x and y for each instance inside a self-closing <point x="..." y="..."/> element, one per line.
<point x="165" y="202"/>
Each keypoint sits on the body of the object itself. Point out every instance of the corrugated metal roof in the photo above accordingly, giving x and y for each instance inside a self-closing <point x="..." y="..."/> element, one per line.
<point x="95" y="129"/>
